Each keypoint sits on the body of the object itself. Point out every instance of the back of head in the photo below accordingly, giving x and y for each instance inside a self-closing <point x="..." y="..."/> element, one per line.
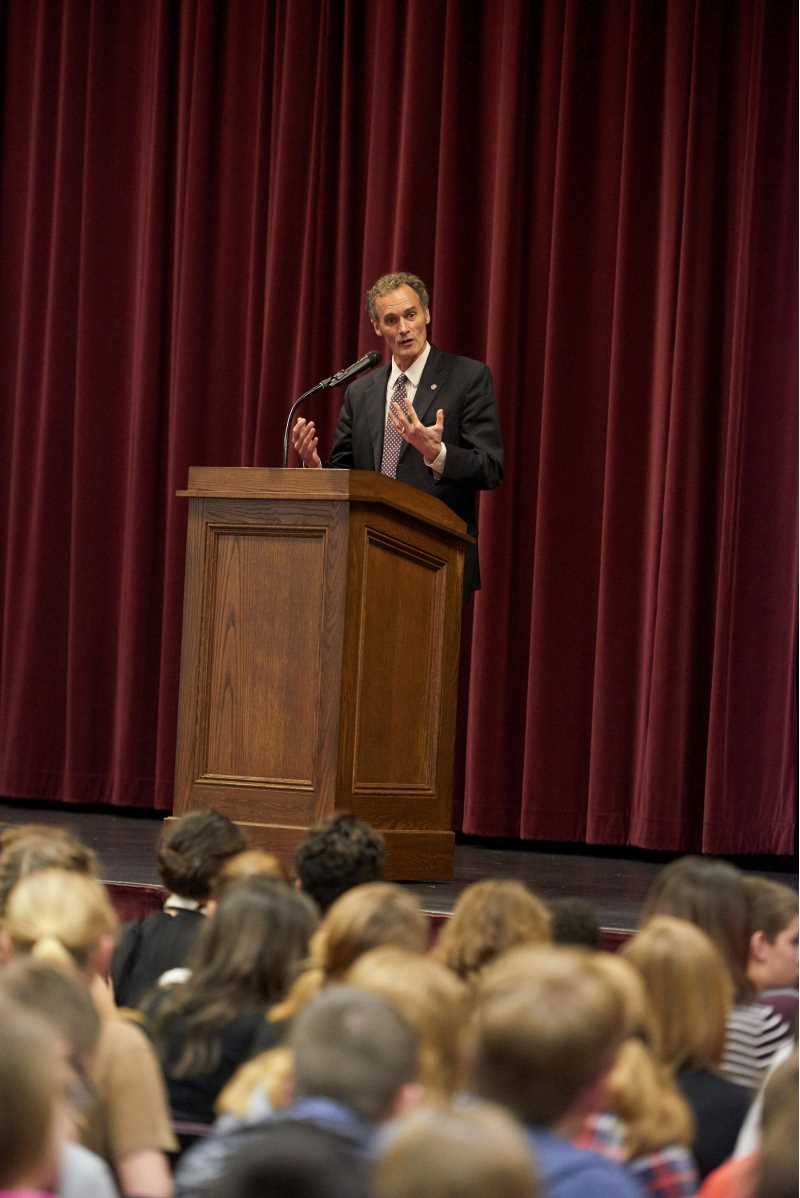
<point x="689" y="989"/>
<point x="194" y="848"/>
<point x="547" y="1027"/>
<point x="56" y="997"/>
<point x="712" y="895"/>
<point x="28" y="1096"/>
<point x="32" y="847"/>
<point x="59" y="916"/>
<point x="336" y="854"/>
<point x="354" y="1048"/>
<point x="469" y="1151"/>
<point x="489" y="918"/>
<point x="574" y="922"/>
<point x="250" y="863"/>
<point x="290" y="1160"/>
<point x="434" y="1001"/>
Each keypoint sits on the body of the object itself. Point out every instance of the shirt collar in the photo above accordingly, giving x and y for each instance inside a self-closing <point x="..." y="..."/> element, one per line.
<point x="414" y="372"/>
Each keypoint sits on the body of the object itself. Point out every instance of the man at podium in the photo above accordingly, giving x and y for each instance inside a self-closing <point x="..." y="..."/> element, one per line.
<point x="428" y="418"/>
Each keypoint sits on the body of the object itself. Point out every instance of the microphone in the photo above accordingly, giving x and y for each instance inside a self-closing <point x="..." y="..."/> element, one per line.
<point x="343" y="376"/>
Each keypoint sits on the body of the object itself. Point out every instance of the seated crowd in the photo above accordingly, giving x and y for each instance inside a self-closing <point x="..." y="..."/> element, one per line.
<point x="314" y="1037"/>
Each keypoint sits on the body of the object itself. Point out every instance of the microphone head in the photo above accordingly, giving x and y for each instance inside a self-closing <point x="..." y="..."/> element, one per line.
<point x="374" y="358"/>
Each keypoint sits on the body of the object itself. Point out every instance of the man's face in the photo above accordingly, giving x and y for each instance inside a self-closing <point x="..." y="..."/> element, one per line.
<point x="781" y="957"/>
<point x="403" y="323"/>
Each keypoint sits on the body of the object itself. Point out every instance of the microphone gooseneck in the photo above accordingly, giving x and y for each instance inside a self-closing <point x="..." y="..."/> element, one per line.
<point x="370" y="359"/>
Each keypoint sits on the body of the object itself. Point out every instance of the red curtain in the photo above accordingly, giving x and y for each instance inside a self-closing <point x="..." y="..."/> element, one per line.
<point x="603" y="199"/>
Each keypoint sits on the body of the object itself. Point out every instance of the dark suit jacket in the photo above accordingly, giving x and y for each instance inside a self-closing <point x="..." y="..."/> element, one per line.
<point x="463" y="388"/>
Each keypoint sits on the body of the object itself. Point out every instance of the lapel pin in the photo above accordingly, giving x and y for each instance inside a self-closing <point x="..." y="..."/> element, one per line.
<point x="433" y="386"/>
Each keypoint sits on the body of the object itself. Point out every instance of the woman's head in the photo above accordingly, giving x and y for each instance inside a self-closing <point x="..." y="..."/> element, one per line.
<point x="489" y="918"/>
<point x="711" y="895"/>
<point x="689" y="989"/>
<point x="62" y="917"/>
<point x="773" y="934"/>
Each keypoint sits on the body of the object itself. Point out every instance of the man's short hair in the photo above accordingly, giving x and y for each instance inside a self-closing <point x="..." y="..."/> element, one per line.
<point x="354" y="1048"/>
<point x="548" y="1024"/>
<point x="574" y="921"/>
<point x="772" y="905"/>
<point x="193" y="850"/>
<point x="336" y="854"/>
<point x="391" y="282"/>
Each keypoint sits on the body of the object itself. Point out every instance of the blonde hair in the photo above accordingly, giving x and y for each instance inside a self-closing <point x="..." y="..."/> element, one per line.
<point x="271" y="1072"/>
<point x="489" y="918"/>
<point x="246" y="864"/>
<point x="468" y="1151"/>
<point x="363" y="918"/>
<point x="29" y="1090"/>
<point x="59" y="916"/>
<point x="434" y="1001"/>
<point x="689" y="987"/>
<point x="548" y="1023"/>
<point x="639" y="1088"/>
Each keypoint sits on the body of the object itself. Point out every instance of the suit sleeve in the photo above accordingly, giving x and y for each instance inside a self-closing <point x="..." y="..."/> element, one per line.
<point x="341" y="455"/>
<point x="475" y="447"/>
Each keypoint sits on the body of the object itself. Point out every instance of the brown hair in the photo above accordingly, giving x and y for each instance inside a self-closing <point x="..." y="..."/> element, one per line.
<point x="548" y="1024"/>
<point x="773" y="906"/>
<point x="689" y="989"/>
<point x="58" y="997"/>
<point x="388" y="283"/>
<point x="712" y="895"/>
<point x="457" y="1152"/>
<point x="28" y="848"/>
<point x="489" y="918"/>
<point x="28" y="1095"/>
<point x="363" y="918"/>
<point x="639" y="1088"/>
<point x="193" y="849"/>
<point x="434" y="1001"/>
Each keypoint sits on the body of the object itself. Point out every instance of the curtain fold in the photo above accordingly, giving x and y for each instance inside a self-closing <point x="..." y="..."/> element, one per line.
<point x="603" y="200"/>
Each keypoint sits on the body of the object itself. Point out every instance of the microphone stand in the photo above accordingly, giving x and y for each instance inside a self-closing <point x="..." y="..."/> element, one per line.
<point x="317" y="387"/>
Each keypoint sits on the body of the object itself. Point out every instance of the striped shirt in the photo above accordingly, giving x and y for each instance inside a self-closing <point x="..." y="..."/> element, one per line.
<point x="754" y="1032"/>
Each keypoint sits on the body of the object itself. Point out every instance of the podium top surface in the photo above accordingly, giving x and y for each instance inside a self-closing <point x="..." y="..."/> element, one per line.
<point x="360" y="486"/>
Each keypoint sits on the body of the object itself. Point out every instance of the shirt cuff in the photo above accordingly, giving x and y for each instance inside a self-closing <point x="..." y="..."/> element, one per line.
<point x="437" y="465"/>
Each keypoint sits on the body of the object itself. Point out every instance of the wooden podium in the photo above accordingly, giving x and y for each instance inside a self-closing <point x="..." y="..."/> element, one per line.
<point x="319" y="664"/>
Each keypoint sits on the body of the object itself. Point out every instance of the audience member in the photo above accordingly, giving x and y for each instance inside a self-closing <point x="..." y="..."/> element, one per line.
<point x="192" y="851"/>
<point x="355" y="1066"/>
<point x="489" y="918"/>
<point x="548" y="1025"/>
<point x="243" y="962"/>
<point x="475" y="1150"/>
<point x="773" y="962"/>
<point x="712" y="895"/>
<point x="26" y="848"/>
<point x="690" y="992"/>
<point x="33" y="1126"/>
<point x="434" y="1001"/>
<point x="336" y="854"/>
<point x="66" y="1007"/>
<point x="364" y="917"/>
<point x="247" y="864"/>
<point x="646" y="1124"/>
<point x="289" y="1161"/>
<point x="574" y="922"/>
<point x="66" y="919"/>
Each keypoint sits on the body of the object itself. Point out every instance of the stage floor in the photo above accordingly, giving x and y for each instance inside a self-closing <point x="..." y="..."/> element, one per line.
<point x="615" y="880"/>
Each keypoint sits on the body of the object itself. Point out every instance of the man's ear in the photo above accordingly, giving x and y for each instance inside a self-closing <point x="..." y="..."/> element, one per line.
<point x="759" y="947"/>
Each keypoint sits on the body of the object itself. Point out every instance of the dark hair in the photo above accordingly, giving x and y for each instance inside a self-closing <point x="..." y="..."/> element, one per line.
<point x="29" y="848"/>
<point x="336" y="854"/>
<point x="574" y="922"/>
<point x="194" y="848"/>
<point x="293" y="1160"/>
<point x="711" y="895"/>
<point x="244" y="959"/>
<point x="355" y="1048"/>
